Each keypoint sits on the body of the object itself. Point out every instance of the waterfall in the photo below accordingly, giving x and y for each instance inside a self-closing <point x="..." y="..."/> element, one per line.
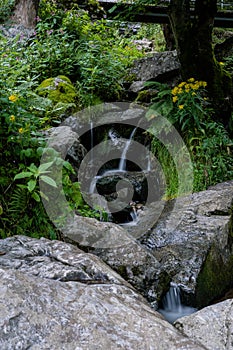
<point x="92" y="187"/>
<point x="92" y="140"/>
<point x="172" y="308"/>
<point x="148" y="162"/>
<point x="122" y="164"/>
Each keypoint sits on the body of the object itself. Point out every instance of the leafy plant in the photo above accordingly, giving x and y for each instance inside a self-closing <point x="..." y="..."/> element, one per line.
<point x="187" y="108"/>
<point x="33" y="174"/>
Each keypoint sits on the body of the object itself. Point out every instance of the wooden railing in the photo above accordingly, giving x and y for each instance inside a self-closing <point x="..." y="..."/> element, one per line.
<point x="221" y="4"/>
<point x="157" y="13"/>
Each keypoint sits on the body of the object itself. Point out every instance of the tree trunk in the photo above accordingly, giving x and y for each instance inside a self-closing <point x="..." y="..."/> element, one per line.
<point x="169" y="37"/>
<point x="25" y="13"/>
<point x="193" y="37"/>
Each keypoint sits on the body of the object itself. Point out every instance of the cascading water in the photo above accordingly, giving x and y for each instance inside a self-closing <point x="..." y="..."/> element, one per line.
<point x="122" y="163"/>
<point x="148" y="162"/>
<point x="92" y="140"/>
<point x="172" y="308"/>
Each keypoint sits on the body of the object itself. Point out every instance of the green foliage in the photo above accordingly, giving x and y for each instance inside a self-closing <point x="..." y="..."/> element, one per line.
<point x="187" y="108"/>
<point x="66" y="43"/>
<point x="228" y="64"/>
<point x="89" y="52"/>
<point x="152" y="32"/>
<point x="6" y="8"/>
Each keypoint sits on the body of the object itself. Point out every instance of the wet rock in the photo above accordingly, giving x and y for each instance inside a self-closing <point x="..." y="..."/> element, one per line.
<point x="105" y="113"/>
<point x="211" y="326"/>
<point x="54" y="296"/>
<point x="65" y="141"/>
<point x="192" y="240"/>
<point x="138" y="181"/>
<point x="187" y="241"/>
<point x="120" y="251"/>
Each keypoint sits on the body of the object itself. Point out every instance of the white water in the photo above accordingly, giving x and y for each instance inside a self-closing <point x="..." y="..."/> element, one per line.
<point x="172" y="307"/>
<point x="113" y="137"/>
<point x="122" y="164"/>
<point x="148" y="162"/>
<point x="93" y="184"/>
<point x="92" y="141"/>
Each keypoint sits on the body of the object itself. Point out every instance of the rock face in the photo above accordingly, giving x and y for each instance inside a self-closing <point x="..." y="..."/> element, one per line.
<point x="161" y="66"/>
<point x="54" y="296"/>
<point x="211" y="326"/>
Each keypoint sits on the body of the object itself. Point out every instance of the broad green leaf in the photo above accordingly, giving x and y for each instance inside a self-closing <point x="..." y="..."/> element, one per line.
<point x="31" y="185"/>
<point x="48" y="180"/>
<point x="44" y="196"/>
<point x="68" y="166"/>
<point x="44" y="167"/>
<point x="36" y="196"/>
<point x="23" y="175"/>
<point x="33" y="168"/>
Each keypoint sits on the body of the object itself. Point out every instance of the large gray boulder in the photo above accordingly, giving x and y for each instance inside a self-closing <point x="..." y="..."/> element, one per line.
<point x="161" y="66"/>
<point x="211" y="326"/>
<point x="66" y="142"/>
<point x="120" y="251"/>
<point x="54" y="296"/>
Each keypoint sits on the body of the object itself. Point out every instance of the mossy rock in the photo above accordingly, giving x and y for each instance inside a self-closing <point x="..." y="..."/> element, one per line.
<point x="59" y="89"/>
<point x="215" y="278"/>
<point x="146" y="95"/>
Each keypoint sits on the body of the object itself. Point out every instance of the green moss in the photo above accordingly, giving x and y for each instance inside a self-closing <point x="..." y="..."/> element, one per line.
<point x="59" y="89"/>
<point x="130" y="78"/>
<point x="214" y="279"/>
<point x="146" y="95"/>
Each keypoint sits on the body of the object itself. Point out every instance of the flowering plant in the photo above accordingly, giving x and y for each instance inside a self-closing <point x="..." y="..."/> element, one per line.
<point x="192" y="109"/>
<point x="187" y="107"/>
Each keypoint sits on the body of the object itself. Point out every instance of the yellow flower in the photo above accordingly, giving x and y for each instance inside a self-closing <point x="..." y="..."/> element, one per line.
<point x="21" y="130"/>
<point x="174" y="98"/>
<point x="13" y="98"/>
<point x="193" y="93"/>
<point x="175" y="90"/>
<point x="179" y="91"/>
<point x="203" y="83"/>
<point x="181" y="106"/>
<point x="191" y="80"/>
<point x="221" y="63"/>
<point x="12" y="118"/>
<point x="182" y="84"/>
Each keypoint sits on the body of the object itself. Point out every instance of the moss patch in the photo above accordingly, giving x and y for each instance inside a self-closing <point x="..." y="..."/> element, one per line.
<point x="214" y="279"/>
<point x="59" y="89"/>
